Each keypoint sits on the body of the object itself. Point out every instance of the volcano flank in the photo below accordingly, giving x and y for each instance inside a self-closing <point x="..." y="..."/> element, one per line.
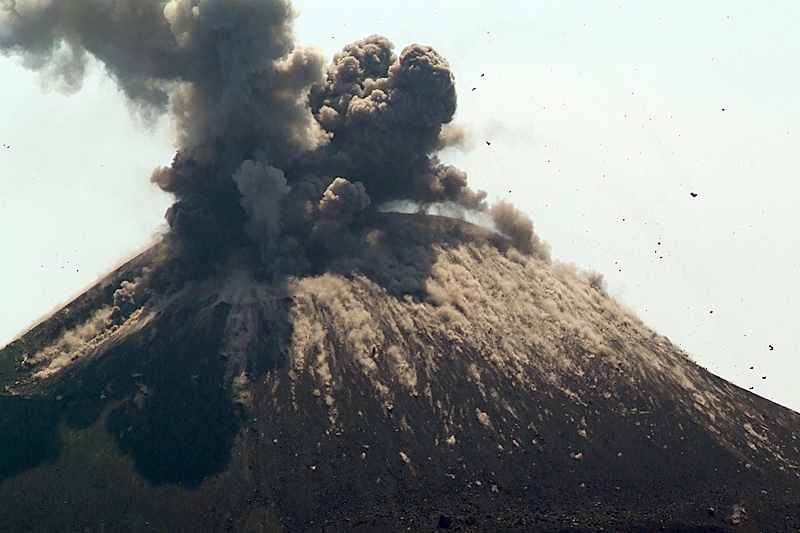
<point x="297" y="355"/>
<point x="435" y="378"/>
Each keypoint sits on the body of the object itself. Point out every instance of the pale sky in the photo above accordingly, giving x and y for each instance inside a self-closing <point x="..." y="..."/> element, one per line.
<point x="602" y="118"/>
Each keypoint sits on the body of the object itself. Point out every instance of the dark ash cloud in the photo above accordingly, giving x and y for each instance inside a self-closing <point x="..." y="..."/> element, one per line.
<point x="279" y="158"/>
<point x="386" y="115"/>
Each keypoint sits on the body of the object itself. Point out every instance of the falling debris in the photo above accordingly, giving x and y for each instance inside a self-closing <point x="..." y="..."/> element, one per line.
<point x="771" y="347"/>
<point x="694" y="194"/>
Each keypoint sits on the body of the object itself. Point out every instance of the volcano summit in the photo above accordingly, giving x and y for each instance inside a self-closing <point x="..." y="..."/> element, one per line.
<point x="292" y="356"/>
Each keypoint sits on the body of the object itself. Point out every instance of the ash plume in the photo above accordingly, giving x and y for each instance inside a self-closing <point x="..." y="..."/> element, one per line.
<point x="386" y="115"/>
<point x="279" y="159"/>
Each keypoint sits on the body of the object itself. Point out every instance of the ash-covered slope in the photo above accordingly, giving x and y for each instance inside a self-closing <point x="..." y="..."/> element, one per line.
<point x="436" y="377"/>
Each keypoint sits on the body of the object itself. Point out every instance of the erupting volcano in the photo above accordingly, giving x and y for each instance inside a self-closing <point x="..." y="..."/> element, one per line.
<point x="296" y="355"/>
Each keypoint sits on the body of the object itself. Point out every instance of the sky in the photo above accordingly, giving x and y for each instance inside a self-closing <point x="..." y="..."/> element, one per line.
<point x="657" y="143"/>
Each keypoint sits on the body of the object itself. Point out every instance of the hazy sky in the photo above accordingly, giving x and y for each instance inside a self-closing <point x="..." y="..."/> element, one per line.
<point x="598" y="119"/>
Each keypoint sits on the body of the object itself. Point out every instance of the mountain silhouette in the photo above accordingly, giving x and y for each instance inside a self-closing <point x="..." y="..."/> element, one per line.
<point x="435" y="378"/>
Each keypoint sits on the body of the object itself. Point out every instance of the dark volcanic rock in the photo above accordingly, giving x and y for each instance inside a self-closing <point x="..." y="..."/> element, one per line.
<point x="435" y="379"/>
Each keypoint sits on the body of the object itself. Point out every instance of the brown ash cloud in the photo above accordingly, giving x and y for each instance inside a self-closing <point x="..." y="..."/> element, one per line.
<point x="280" y="159"/>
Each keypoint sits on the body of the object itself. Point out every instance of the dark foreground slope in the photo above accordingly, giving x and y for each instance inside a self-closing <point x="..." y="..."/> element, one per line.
<point x="437" y="379"/>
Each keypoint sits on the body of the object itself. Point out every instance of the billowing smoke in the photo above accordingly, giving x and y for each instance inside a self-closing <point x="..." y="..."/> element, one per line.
<point x="279" y="160"/>
<point x="386" y="115"/>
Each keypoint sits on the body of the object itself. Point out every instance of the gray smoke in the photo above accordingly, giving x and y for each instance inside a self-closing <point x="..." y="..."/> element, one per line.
<point x="386" y="115"/>
<point x="278" y="158"/>
<point x="262" y="188"/>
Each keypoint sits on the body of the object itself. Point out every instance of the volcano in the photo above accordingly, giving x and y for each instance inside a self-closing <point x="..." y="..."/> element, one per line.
<point x="435" y="378"/>
<point x="294" y="356"/>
